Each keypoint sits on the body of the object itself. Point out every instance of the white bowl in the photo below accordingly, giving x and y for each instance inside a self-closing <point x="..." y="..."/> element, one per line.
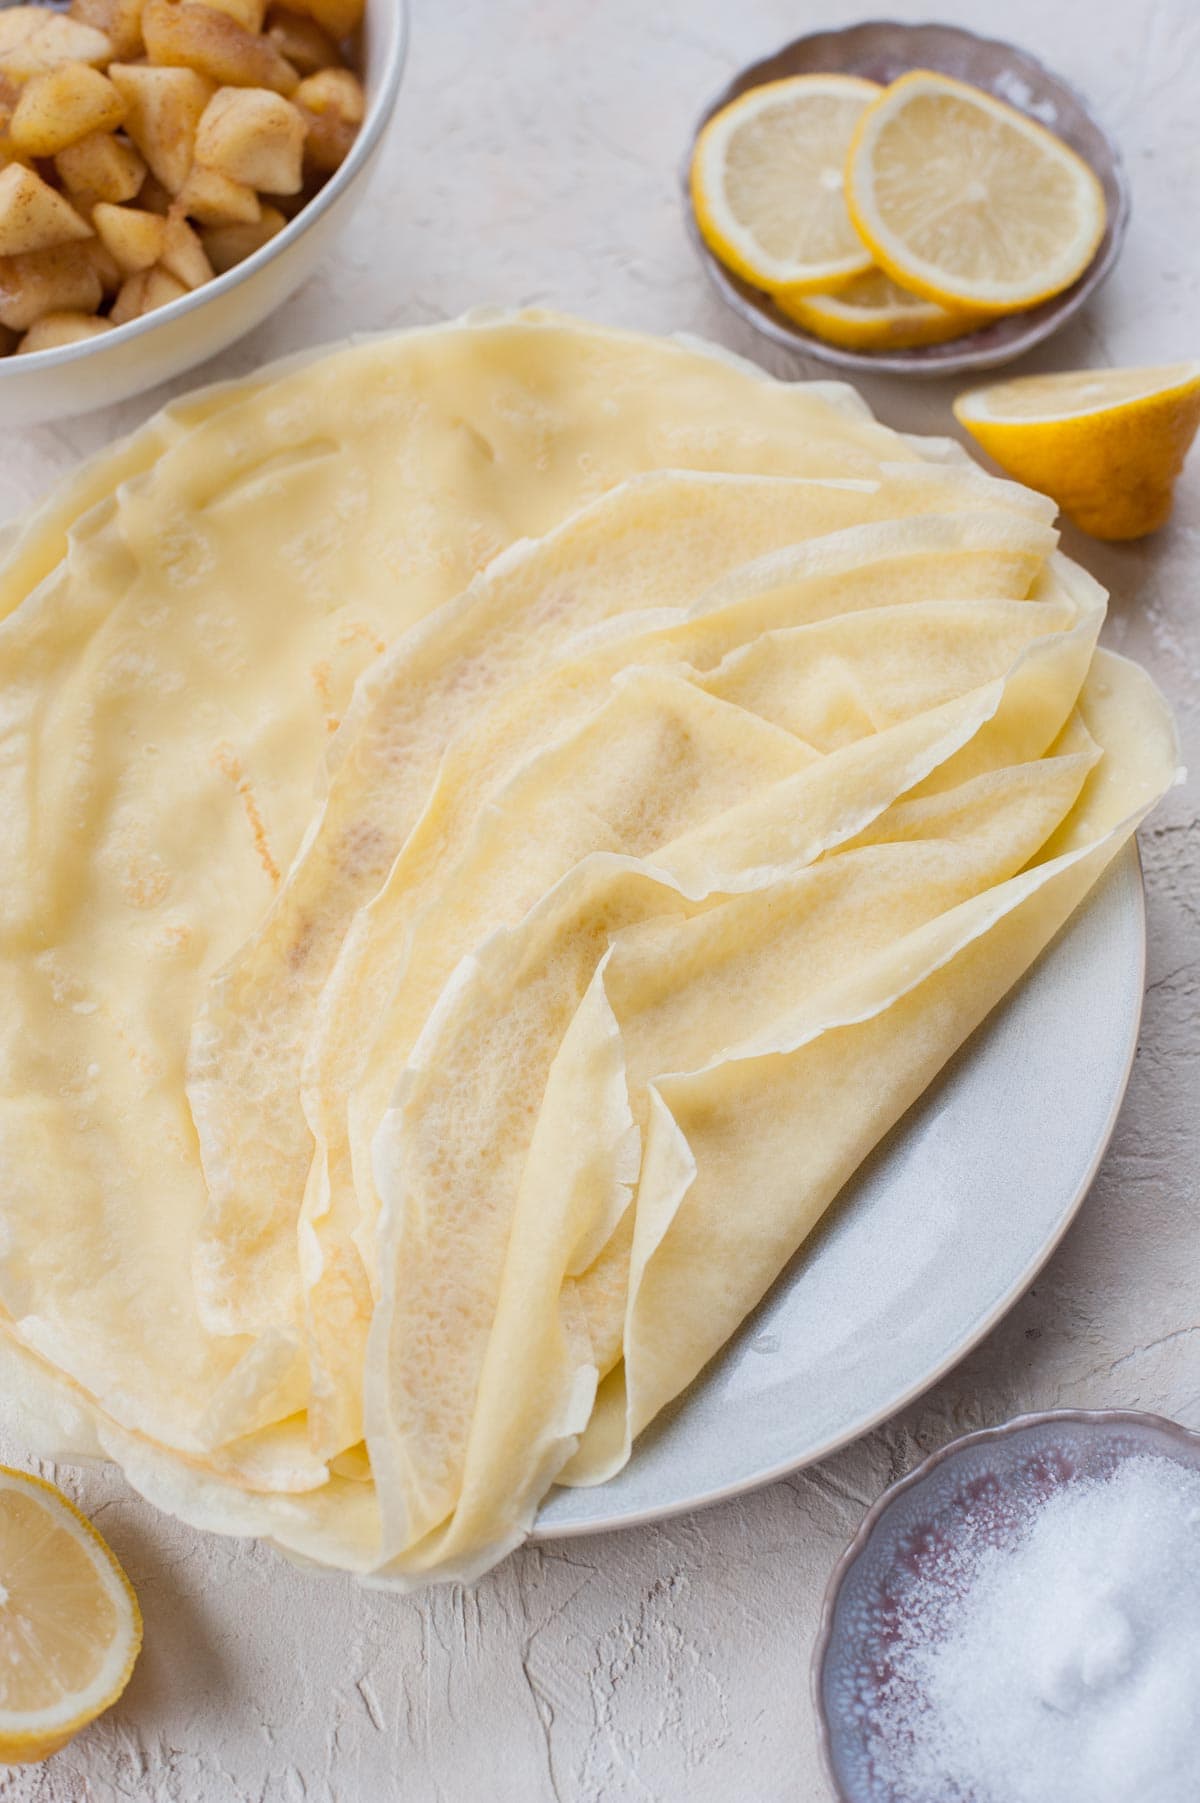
<point x="45" y="385"/>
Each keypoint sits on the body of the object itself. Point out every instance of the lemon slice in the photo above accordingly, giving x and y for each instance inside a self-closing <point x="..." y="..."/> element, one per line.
<point x="70" y="1627"/>
<point x="968" y="202"/>
<point x="872" y="313"/>
<point x="1107" y="444"/>
<point x="767" y="182"/>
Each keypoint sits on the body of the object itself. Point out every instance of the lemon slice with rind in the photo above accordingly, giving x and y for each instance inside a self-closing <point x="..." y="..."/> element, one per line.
<point x="1106" y="444"/>
<point x="967" y="201"/>
<point x="872" y="313"/>
<point x="767" y="182"/>
<point x="70" y="1627"/>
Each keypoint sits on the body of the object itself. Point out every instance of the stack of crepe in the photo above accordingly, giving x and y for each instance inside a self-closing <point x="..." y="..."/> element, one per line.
<point x="498" y="822"/>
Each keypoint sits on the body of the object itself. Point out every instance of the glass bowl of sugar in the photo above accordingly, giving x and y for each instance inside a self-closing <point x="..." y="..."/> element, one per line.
<point x="1018" y="1621"/>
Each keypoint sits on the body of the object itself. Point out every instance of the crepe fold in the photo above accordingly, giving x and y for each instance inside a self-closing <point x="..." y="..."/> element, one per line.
<point x="505" y="818"/>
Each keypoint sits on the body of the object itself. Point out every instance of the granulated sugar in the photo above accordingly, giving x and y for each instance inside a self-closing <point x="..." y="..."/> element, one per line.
<point x="1062" y="1666"/>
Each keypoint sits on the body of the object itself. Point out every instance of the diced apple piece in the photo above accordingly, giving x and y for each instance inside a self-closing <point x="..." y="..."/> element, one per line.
<point x="134" y="238"/>
<point x="192" y="36"/>
<point x="161" y="287"/>
<point x="100" y="167"/>
<point x="255" y="136"/>
<point x="183" y="255"/>
<point x="34" y="39"/>
<point x="291" y="204"/>
<point x="165" y="106"/>
<point x="8" y="150"/>
<point x="230" y="244"/>
<point x="338" y="17"/>
<point x="301" y="41"/>
<point x="58" y="108"/>
<point x="143" y="292"/>
<point x="33" y="215"/>
<point x="154" y="197"/>
<point x="214" y="199"/>
<point x="119" y="20"/>
<point x="333" y="104"/>
<point x="104" y="263"/>
<point x="53" y="330"/>
<point x="247" y="12"/>
<point x="47" y="281"/>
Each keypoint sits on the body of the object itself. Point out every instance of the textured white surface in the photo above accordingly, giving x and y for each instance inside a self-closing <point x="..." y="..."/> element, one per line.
<point x="534" y="159"/>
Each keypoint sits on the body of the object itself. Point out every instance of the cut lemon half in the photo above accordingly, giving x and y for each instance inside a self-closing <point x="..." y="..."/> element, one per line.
<point x="968" y="202"/>
<point x="872" y="313"/>
<point x="70" y="1627"/>
<point x="767" y="182"/>
<point x="1106" y="444"/>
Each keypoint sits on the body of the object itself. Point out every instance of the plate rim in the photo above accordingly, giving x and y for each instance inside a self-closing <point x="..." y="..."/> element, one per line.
<point x="1130" y="859"/>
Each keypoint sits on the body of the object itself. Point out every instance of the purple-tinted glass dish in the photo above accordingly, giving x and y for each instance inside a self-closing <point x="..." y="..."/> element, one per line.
<point x="881" y="50"/>
<point x="981" y="1477"/>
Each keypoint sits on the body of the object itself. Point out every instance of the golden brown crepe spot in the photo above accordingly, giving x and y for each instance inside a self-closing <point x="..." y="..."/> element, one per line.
<point x="229" y="764"/>
<point x="353" y="630"/>
<point x="322" y="678"/>
<point x="147" y="882"/>
<point x="174" y="937"/>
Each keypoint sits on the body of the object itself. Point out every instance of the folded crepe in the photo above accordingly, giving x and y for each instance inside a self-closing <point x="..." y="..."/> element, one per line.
<point x="500" y="819"/>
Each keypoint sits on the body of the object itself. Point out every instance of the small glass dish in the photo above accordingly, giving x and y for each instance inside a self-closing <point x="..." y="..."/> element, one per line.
<point x="917" y="1518"/>
<point x="881" y="50"/>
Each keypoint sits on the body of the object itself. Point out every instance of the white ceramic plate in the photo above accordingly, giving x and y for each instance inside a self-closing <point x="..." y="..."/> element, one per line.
<point x="925" y="1250"/>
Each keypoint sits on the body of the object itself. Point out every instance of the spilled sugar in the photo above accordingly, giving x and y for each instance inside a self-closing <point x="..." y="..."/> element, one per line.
<point x="1058" y="1665"/>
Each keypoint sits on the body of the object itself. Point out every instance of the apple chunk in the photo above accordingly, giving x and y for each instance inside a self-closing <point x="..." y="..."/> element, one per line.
<point x="133" y="237"/>
<point x="333" y="105"/>
<point x="216" y="199"/>
<point x="33" y="215"/>
<point x="53" y="330"/>
<point x="119" y="20"/>
<point x="338" y="17"/>
<point x="101" y="166"/>
<point x="47" y="281"/>
<point x="143" y="292"/>
<point x="165" y="106"/>
<point x="230" y="244"/>
<point x="191" y="36"/>
<point x="34" y="39"/>
<point x="255" y="136"/>
<point x="63" y="105"/>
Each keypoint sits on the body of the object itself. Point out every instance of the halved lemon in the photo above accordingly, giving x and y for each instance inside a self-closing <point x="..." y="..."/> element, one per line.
<point x="767" y="182"/>
<point x="70" y="1627"/>
<point x="967" y="201"/>
<point x="1106" y="444"/>
<point x="872" y="313"/>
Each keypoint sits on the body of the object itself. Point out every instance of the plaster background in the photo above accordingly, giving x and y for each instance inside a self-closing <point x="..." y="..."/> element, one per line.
<point x="533" y="159"/>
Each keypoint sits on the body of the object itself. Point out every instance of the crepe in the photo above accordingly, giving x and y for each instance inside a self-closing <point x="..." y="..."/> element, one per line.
<point x="812" y="1093"/>
<point x="515" y="996"/>
<point x="648" y="547"/>
<point x="711" y="974"/>
<point x="448" y="783"/>
<point x="168" y="700"/>
<point x="404" y="945"/>
<point x="792" y="1083"/>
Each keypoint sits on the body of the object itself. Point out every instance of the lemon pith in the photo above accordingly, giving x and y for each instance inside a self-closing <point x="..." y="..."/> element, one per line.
<point x="766" y="182"/>
<point x="70" y="1627"/>
<point x="1107" y="445"/>
<point x="965" y="200"/>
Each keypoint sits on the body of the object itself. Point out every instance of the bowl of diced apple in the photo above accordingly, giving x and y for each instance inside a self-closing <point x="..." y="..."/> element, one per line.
<point x="170" y="172"/>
